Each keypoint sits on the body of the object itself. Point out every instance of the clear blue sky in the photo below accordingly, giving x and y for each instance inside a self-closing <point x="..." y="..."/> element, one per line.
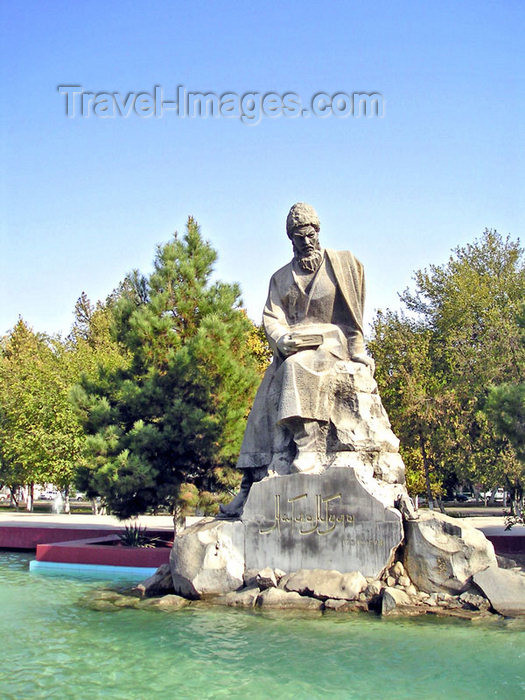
<point x="85" y="200"/>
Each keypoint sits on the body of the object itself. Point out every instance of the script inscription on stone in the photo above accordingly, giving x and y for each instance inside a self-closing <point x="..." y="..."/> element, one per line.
<point x="327" y="521"/>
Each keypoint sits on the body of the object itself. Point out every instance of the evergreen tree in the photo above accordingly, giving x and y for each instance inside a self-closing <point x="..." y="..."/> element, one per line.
<point x="177" y="413"/>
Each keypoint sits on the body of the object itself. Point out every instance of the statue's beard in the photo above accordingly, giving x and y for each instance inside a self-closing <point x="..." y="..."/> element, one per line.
<point x="310" y="263"/>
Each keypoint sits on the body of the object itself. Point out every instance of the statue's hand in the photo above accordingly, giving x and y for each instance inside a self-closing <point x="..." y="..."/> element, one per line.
<point x="365" y="360"/>
<point x="287" y="345"/>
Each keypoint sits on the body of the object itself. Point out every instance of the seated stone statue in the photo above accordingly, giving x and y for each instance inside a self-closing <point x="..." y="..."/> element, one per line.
<point x="318" y="401"/>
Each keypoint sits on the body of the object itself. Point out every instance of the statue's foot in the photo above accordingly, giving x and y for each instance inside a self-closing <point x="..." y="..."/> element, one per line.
<point x="233" y="509"/>
<point x="307" y="463"/>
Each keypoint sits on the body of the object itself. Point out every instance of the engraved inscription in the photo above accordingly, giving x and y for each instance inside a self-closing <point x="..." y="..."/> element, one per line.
<point x="321" y="522"/>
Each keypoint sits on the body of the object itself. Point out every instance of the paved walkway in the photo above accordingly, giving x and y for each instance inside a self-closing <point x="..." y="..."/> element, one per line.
<point x="103" y="522"/>
<point x="492" y="523"/>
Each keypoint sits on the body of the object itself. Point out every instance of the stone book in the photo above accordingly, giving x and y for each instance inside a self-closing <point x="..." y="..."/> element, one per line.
<point x="306" y="341"/>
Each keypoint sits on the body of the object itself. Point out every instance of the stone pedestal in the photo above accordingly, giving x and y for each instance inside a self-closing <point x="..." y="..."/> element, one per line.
<point x="328" y="521"/>
<point x="324" y="521"/>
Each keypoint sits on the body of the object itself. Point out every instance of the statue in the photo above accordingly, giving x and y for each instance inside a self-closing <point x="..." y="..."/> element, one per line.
<point x="331" y="506"/>
<point x="313" y="319"/>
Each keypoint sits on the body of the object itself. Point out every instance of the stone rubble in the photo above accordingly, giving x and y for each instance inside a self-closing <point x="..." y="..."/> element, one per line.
<point x="445" y="567"/>
<point x="327" y="584"/>
<point x="266" y="578"/>
<point x="394" y="594"/>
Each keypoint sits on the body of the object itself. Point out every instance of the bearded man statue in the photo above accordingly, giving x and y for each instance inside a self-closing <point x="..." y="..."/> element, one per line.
<point x="313" y="319"/>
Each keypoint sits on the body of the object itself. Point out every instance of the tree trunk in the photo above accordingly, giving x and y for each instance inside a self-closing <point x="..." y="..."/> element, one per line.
<point x="14" y="499"/>
<point x="426" y="467"/>
<point x="516" y="498"/>
<point x="176" y="512"/>
<point x="492" y="498"/>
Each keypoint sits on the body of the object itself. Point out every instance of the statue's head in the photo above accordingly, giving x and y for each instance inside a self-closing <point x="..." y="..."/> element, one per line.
<point x="302" y="228"/>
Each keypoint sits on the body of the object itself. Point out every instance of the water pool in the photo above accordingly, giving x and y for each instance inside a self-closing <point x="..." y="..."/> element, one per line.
<point x="51" y="647"/>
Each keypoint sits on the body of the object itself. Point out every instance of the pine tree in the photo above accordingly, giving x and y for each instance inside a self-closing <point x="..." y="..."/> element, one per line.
<point x="177" y="413"/>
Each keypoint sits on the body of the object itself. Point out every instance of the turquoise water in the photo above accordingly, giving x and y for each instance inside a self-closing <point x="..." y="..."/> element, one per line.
<point x="51" y="647"/>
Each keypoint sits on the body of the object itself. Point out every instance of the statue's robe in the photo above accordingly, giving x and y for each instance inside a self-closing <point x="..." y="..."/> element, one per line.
<point x="328" y="302"/>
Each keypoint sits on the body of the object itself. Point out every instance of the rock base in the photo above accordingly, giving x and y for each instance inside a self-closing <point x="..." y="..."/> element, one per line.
<point x="326" y="538"/>
<point x="442" y="553"/>
<point x="319" y="591"/>
<point x="207" y="558"/>
<point x="331" y="521"/>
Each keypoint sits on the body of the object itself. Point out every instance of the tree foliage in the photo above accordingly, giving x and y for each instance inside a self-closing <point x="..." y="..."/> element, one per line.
<point x="437" y="362"/>
<point x="505" y="407"/>
<point x="176" y="414"/>
<point x="40" y="438"/>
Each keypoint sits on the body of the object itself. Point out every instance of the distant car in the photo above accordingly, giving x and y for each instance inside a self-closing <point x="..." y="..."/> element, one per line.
<point x="79" y="496"/>
<point x="499" y="495"/>
<point x="461" y="497"/>
<point x="48" y="495"/>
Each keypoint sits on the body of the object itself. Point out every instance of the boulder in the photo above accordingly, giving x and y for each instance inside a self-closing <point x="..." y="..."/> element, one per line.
<point x="102" y="600"/>
<point x="394" y="598"/>
<point x="398" y="569"/>
<point x="278" y="598"/>
<point x="506" y="562"/>
<point x="168" y="603"/>
<point x="239" y="599"/>
<point x="373" y="589"/>
<point x="266" y="578"/>
<point x="126" y="601"/>
<point x="208" y="558"/>
<point x="327" y="584"/>
<point x="474" y="601"/>
<point x="338" y="605"/>
<point x="250" y="577"/>
<point x="161" y="583"/>
<point x="442" y="554"/>
<point x="505" y="590"/>
<point x="345" y="605"/>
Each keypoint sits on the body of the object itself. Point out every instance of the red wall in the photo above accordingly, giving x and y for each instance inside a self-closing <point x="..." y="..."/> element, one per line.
<point x="28" y="537"/>
<point x="90" y="552"/>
